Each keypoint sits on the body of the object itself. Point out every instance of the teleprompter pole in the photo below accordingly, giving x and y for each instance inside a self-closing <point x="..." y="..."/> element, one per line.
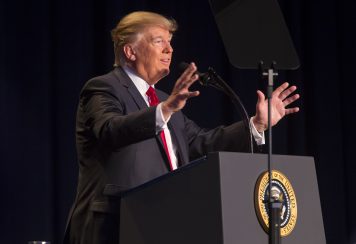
<point x="274" y="204"/>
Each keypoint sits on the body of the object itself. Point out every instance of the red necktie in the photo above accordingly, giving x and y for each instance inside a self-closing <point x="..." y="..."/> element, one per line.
<point x="153" y="101"/>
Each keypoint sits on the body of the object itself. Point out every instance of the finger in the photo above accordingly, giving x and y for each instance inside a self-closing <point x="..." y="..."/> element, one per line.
<point x="287" y="92"/>
<point x="187" y="78"/>
<point x="187" y="95"/>
<point x="189" y="82"/>
<point x="291" y="99"/>
<point x="194" y="94"/>
<point x="260" y="96"/>
<point x="291" y="110"/>
<point x="188" y="73"/>
<point x="280" y="89"/>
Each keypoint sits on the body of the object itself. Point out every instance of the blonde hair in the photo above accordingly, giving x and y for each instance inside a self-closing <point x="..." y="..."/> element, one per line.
<point x="131" y="25"/>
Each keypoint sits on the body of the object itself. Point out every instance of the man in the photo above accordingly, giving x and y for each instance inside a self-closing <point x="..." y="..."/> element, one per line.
<point x="126" y="137"/>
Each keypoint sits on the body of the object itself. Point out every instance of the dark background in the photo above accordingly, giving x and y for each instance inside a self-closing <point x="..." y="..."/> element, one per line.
<point x="49" y="49"/>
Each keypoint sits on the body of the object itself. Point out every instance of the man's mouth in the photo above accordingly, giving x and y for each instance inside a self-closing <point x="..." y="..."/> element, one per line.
<point x="166" y="61"/>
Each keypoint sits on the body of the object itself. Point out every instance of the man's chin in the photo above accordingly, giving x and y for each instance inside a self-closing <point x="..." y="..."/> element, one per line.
<point x="165" y="72"/>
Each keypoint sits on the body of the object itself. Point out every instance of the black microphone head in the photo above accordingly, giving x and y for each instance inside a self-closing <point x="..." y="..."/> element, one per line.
<point x="183" y="66"/>
<point x="204" y="78"/>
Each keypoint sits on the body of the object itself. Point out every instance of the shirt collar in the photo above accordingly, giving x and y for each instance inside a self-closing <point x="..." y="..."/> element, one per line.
<point x="141" y="85"/>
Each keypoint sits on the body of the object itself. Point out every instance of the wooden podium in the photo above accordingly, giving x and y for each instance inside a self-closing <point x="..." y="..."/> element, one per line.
<point x="212" y="202"/>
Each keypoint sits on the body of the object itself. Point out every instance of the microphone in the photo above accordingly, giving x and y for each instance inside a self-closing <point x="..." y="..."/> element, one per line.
<point x="204" y="78"/>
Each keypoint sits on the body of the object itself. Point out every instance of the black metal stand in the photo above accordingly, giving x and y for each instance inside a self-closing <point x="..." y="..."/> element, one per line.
<point x="211" y="78"/>
<point x="274" y="205"/>
<point x="274" y="222"/>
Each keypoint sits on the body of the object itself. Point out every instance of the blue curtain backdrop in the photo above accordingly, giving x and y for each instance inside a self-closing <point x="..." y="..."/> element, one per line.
<point x="49" y="49"/>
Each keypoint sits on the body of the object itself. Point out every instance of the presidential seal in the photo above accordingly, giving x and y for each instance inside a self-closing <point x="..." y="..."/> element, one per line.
<point x="282" y="190"/>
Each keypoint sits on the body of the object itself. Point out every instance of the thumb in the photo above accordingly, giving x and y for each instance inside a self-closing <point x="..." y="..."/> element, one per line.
<point x="260" y="96"/>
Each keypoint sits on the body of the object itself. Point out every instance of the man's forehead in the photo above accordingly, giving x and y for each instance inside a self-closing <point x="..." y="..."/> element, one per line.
<point x="157" y="31"/>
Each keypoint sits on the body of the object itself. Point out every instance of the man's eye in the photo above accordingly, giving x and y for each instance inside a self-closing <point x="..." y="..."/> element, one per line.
<point x="157" y="41"/>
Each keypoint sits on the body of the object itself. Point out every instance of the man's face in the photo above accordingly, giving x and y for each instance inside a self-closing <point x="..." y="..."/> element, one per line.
<point x="153" y="53"/>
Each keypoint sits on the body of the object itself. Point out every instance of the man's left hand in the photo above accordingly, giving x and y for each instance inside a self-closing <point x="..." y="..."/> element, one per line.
<point x="281" y="98"/>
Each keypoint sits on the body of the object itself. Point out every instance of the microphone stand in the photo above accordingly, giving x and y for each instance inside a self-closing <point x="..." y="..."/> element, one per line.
<point x="211" y="78"/>
<point x="274" y="204"/>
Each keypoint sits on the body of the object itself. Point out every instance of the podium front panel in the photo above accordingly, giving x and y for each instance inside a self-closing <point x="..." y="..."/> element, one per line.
<point x="212" y="202"/>
<point x="238" y="180"/>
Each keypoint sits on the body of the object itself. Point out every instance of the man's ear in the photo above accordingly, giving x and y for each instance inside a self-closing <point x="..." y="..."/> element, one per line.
<point x="129" y="52"/>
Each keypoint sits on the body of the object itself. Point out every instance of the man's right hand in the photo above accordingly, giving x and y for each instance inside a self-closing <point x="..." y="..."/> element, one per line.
<point x="180" y="94"/>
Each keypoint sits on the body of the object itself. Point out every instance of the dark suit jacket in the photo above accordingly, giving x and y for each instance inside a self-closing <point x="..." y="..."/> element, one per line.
<point x="118" y="147"/>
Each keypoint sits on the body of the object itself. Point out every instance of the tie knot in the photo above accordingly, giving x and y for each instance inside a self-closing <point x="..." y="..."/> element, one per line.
<point x="152" y="96"/>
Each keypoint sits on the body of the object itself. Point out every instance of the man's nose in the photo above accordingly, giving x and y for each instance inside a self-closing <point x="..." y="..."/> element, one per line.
<point x="168" y="48"/>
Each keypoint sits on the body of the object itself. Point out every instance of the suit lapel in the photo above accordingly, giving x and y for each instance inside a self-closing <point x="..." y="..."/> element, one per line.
<point x="131" y="88"/>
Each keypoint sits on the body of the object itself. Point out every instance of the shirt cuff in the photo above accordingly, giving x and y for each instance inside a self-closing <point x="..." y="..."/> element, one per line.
<point x="259" y="137"/>
<point x="161" y="123"/>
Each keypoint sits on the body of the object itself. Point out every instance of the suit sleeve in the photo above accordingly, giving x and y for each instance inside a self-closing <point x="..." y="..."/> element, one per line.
<point x="103" y="114"/>
<point x="233" y="138"/>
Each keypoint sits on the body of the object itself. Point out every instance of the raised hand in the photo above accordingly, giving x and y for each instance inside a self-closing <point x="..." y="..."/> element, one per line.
<point x="281" y="98"/>
<point x="180" y="93"/>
